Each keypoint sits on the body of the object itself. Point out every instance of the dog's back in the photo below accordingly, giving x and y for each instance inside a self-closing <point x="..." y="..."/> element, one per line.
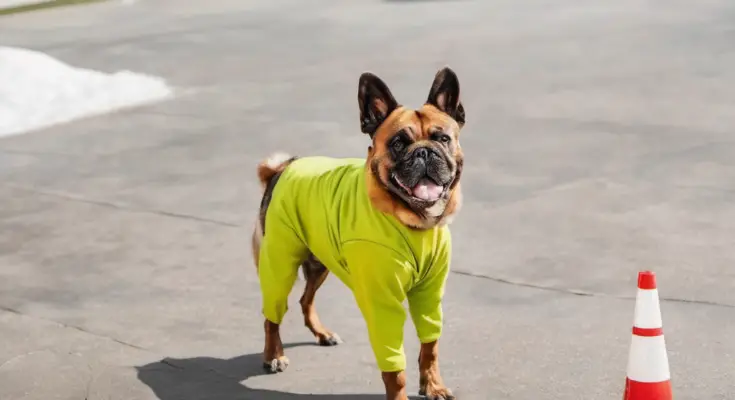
<point x="302" y="198"/>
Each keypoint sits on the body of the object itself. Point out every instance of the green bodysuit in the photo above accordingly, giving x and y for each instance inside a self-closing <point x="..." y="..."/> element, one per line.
<point x="320" y="205"/>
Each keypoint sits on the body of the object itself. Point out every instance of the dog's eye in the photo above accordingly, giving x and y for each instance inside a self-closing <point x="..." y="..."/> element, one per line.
<point x="398" y="145"/>
<point x="440" y="137"/>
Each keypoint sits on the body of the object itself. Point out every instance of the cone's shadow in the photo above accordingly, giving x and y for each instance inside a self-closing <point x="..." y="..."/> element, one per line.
<point x="207" y="378"/>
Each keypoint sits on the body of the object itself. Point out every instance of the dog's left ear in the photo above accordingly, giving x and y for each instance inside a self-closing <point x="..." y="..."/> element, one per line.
<point x="376" y="102"/>
<point x="444" y="95"/>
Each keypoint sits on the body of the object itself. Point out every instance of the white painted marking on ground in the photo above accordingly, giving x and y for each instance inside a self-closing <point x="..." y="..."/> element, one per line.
<point x="18" y="3"/>
<point x="38" y="91"/>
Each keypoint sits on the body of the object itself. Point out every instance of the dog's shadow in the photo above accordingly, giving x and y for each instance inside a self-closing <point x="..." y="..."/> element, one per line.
<point x="207" y="378"/>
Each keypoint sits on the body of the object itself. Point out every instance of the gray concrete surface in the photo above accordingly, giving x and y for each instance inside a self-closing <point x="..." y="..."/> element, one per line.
<point x="599" y="143"/>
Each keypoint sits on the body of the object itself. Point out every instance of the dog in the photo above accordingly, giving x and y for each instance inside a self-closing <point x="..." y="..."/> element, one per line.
<point x="380" y="224"/>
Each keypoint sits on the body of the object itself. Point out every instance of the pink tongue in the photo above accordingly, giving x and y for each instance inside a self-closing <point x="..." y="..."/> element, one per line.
<point x="427" y="190"/>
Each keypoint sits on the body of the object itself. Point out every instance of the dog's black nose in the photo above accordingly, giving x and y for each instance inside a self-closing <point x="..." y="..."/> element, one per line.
<point x="421" y="152"/>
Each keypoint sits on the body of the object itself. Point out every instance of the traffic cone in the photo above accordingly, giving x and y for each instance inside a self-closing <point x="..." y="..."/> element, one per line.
<point x="648" y="376"/>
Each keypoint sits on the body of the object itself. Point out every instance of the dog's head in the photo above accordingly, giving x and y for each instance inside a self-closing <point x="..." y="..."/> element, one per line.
<point x="415" y="160"/>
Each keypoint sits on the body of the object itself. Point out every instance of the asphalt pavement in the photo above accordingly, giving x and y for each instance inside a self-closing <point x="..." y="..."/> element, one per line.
<point x="598" y="143"/>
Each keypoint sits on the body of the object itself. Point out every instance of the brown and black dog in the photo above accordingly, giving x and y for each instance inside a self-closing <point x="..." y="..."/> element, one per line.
<point x="411" y="176"/>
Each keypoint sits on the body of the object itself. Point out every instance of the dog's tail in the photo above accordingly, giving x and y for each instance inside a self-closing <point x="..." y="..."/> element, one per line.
<point x="271" y="166"/>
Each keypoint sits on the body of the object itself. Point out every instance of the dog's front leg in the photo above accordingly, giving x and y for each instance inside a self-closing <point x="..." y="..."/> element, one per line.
<point x="430" y="381"/>
<point x="380" y="281"/>
<point x="395" y="385"/>
<point x="425" y="303"/>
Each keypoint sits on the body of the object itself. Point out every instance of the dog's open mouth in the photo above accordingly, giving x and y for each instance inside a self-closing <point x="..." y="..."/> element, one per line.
<point x="425" y="190"/>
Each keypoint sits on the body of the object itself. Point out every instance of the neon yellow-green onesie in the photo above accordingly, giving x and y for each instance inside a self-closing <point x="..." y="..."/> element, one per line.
<point x="321" y="205"/>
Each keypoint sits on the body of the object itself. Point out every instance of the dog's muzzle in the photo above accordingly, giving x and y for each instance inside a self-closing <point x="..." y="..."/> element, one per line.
<point x="425" y="174"/>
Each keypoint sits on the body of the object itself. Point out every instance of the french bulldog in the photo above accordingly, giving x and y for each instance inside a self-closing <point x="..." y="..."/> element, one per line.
<point x="380" y="224"/>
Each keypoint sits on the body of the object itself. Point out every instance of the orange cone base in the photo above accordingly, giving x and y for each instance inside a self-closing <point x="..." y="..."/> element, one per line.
<point x="647" y="391"/>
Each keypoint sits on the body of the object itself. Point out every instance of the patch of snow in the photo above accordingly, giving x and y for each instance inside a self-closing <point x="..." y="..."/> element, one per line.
<point x="18" y="3"/>
<point x="38" y="91"/>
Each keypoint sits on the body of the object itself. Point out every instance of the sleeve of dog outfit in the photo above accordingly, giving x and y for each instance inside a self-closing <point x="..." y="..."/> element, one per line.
<point x="425" y="299"/>
<point x="380" y="278"/>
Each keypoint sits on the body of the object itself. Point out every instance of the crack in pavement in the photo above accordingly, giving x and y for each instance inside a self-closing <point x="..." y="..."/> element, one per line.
<point x="19" y="356"/>
<point x="168" y="362"/>
<point x="117" y="206"/>
<point x="74" y="327"/>
<point x="163" y="358"/>
<point x="583" y="293"/>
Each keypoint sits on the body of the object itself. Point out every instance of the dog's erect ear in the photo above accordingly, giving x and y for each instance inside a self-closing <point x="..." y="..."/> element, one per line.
<point x="376" y="102"/>
<point x="444" y="94"/>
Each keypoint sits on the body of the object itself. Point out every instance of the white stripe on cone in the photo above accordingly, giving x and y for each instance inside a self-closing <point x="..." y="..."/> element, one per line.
<point x="647" y="361"/>
<point x="647" y="309"/>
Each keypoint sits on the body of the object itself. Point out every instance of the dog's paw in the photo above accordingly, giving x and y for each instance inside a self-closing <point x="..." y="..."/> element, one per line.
<point x="276" y="365"/>
<point x="331" y="339"/>
<point x="432" y="392"/>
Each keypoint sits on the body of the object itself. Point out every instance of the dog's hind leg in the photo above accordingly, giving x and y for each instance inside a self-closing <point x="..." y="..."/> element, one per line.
<point x="281" y="254"/>
<point x="315" y="274"/>
<point x="277" y="259"/>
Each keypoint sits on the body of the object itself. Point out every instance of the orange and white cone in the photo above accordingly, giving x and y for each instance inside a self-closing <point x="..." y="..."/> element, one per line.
<point x="648" y="364"/>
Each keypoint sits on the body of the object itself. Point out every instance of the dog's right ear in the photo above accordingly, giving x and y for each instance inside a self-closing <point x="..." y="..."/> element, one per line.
<point x="444" y="95"/>
<point x="376" y="102"/>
